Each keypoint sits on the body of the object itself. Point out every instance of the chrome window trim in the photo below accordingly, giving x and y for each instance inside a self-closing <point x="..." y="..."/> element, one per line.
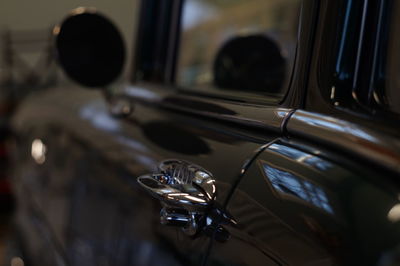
<point x="271" y="118"/>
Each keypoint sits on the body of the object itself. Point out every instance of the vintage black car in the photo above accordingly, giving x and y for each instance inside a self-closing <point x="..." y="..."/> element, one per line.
<point x="262" y="132"/>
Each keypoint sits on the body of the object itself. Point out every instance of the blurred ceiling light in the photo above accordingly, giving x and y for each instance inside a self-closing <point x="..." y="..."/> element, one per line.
<point x="17" y="261"/>
<point x="38" y="151"/>
<point x="81" y="10"/>
<point x="78" y="10"/>
<point x="394" y="213"/>
<point x="56" y="30"/>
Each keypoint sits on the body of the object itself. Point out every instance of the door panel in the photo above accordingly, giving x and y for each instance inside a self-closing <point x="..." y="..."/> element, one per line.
<point x="111" y="220"/>
<point x="299" y="205"/>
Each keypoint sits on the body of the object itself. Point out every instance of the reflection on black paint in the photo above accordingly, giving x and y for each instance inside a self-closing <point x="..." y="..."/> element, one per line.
<point x="302" y="157"/>
<point x="214" y="135"/>
<point x="286" y="183"/>
<point x="199" y="106"/>
<point x="175" y="138"/>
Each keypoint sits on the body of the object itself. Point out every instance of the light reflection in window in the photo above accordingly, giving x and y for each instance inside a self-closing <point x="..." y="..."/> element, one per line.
<point x="286" y="183"/>
<point x="196" y="12"/>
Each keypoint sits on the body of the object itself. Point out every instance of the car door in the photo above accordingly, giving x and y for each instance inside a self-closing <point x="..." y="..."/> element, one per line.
<point x="327" y="193"/>
<point x="80" y="155"/>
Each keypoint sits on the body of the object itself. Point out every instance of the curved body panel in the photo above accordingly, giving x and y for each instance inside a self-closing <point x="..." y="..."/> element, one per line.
<point x="302" y="205"/>
<point x="84" y="193"/>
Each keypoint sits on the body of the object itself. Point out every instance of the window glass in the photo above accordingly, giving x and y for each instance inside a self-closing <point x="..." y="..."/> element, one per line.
<point x="245" y="46"/>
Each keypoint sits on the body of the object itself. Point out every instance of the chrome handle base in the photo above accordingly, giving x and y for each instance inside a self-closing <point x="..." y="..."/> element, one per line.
<point x="174" y="217"/>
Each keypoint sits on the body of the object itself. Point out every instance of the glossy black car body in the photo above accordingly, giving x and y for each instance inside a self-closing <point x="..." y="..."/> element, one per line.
<point x="312" y="179"/>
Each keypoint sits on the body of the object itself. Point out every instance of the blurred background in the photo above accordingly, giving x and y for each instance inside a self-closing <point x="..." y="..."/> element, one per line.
<point x="27" y="64"/>
<point x="26" y="37"/>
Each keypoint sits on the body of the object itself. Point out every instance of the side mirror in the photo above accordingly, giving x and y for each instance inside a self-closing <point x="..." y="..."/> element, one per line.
<point x="250" y="63"/>
<point x="89" y="48"/>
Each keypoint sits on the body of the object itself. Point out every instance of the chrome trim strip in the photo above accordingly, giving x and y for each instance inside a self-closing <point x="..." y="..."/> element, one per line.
<point x="357" y="140"/>
<point x="259" y="116"/>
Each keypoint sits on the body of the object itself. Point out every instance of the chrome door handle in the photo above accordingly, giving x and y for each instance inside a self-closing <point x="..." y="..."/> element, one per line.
<point x="182" y="184"/>
<point x="186" y="191"/>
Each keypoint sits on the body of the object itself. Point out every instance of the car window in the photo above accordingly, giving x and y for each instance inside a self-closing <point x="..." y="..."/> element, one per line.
<point x="237" y="46"/>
